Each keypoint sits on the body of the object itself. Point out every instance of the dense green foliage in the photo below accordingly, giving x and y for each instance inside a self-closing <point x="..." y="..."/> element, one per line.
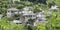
<point x="53" y="21"/>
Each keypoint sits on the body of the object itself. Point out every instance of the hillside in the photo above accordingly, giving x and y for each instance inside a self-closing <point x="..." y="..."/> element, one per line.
<point x="29" y="14"/>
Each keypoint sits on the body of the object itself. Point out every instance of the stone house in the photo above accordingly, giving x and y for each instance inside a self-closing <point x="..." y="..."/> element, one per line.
<point x="54" y="8"/>
<point x="15" y="1"/>
<point x="27" y="16"/>
<point x="11" y="12"/>
<point x="40" y="19"/>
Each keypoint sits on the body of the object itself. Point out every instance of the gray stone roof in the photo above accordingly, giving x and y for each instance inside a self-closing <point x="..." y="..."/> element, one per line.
<point x="26" y="8"/>
<point x="13" y="9"/>
<point x="15" y="0"/>
<point x="28" y="13"/>
<point x="54" y="7"/>
<point x="17" y="21"/>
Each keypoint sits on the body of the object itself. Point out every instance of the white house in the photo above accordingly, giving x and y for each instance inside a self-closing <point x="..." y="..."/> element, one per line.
<point x="54" y="8"/>
<point x="17" y="21"/>
<point x="40" y="19"/>
<point x="27" y="13"/>
<point x="11" y="12"/>
<point x="40" y="15"/>
<point x="1" y="16"/>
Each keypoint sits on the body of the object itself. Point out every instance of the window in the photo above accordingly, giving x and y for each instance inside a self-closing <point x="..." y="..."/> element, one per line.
<point x="17" y="18"/>
<point x="11" y="11"/>
<point x="8" y="11"/>
<point x="40" y="19"/>
<point x="30" y="16"/>
<point x="33" y="15"/>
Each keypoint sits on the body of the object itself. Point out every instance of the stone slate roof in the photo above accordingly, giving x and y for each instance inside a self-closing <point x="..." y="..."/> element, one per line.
<point x="28" y="13"/>
<point x="13" y="9"/>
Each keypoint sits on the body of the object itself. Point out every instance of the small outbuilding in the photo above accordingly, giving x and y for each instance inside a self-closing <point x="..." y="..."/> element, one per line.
<point x="54" y="8"/>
